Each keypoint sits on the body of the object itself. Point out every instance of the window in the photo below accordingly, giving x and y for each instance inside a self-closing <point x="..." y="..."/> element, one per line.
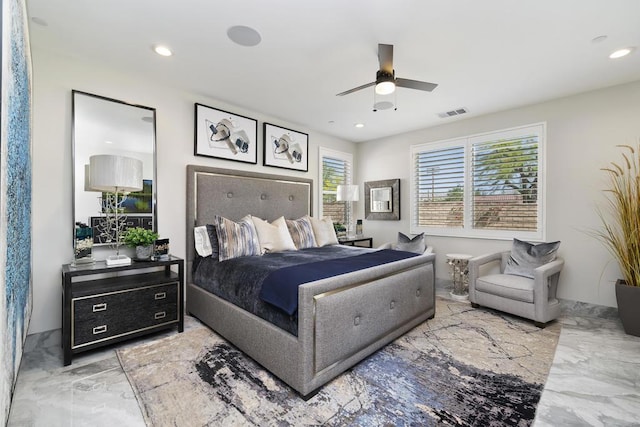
<point x="487" y="185"/>
<point x="336" y="168"/>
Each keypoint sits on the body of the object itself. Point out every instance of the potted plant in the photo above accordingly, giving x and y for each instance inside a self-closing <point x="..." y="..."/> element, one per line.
<point x="621" y="234"/>
<point x="141" y="239"/>
<point x="341" y="230"/>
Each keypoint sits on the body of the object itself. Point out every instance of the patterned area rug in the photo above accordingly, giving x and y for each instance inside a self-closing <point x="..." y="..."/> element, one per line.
<point x="465" y="367"/>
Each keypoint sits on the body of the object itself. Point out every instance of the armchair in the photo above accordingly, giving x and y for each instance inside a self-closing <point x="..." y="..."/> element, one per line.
<point x="533" y="299"/>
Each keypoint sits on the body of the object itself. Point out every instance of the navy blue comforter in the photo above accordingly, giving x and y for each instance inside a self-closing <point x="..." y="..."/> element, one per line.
<point x="280" y="287"/>
<point x="239" y="280"/>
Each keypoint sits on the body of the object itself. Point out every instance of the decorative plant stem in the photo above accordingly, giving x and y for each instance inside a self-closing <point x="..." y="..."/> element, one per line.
<point x="621" y="228"/>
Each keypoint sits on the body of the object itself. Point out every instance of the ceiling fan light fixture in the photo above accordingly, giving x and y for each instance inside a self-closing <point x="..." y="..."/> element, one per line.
<point x="385" y="88"/>
<point x="385" y="82"/>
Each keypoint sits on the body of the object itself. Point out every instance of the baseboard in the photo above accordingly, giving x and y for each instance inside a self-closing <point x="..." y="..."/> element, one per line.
<point x="570" y="308"/>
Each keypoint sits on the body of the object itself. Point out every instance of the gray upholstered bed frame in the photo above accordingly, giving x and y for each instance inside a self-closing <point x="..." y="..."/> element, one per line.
<point x="341" y="320"/>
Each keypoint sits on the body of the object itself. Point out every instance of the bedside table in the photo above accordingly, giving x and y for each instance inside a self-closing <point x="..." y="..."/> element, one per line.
<point x="364" y="242"/>
<point x="101" y="311"/>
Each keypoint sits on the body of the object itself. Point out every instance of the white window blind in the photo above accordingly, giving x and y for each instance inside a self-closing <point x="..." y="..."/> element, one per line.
<point x="336" y="168"/>
<point x="505" y="183"/>
<point x="487" y="185"/>
<point x="440" y="187"/>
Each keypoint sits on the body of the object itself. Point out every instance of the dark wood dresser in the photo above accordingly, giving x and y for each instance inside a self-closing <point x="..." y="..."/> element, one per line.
<point x="119" y="303"/>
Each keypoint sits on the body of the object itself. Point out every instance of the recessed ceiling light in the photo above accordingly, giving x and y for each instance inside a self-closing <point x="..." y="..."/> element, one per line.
<point x="244" y="36"/>
<point x="621" y="52"/>
<point x="108" y="142"/>
<point x="39" y="21"/>
<point x="162" y="50"/>
<point x="359" y="125"/>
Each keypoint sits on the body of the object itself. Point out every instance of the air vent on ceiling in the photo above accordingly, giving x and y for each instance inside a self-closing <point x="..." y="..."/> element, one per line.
<point x="452" y="113"/>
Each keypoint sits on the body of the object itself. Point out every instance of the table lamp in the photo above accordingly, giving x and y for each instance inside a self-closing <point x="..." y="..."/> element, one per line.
<point x="348" y="193"/>
<point x="116" y="176"/>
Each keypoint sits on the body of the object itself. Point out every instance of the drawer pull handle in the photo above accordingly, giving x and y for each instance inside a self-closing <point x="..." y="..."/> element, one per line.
<point x="99" y="307"/>
<point x="99" y="329"/>
<point x="161" y="295"/>
<point x="160" y="315"/>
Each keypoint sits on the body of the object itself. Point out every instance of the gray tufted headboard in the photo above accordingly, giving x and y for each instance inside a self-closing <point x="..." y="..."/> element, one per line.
<point x="234" y="194"/>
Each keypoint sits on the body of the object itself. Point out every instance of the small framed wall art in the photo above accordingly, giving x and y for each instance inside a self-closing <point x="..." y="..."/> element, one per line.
<point x="224" y="135"/>
<point x="285" y="148"/>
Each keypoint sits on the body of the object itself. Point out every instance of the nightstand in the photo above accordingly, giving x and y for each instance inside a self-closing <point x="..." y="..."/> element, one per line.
<point x="132" y="300"/>
<point x="364" y="242"/>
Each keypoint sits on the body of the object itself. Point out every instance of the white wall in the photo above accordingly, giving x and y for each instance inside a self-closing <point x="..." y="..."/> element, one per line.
<point x="54" y="78"/>
<point x="582" y="134"/>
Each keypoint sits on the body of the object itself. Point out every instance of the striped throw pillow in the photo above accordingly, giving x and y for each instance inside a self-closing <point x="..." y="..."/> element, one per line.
<point x="236" y="239"/>
<point x="302" y="232"/>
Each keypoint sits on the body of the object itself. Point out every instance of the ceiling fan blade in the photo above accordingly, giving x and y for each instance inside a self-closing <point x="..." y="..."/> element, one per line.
<point x="385" y="57"/>
<point x="347" y="92"/>
<point x="415" y="84"/>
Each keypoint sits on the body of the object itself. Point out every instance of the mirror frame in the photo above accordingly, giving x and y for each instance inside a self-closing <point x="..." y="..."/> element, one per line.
<point x="152" y="112"/>
<point x="394" y="215"/>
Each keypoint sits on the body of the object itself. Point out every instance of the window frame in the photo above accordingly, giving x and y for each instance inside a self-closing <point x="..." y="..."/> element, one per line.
<point x="467" y="142"/>
<point x="338" y="155"/>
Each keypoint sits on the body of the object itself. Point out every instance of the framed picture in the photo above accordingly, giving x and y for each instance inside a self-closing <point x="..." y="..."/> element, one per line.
<point x="224" y="135"/>
<point x="285" y="148"/>
<point x="161" y="249"/>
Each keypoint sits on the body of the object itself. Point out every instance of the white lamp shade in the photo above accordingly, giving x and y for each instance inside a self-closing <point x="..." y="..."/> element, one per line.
<point x="347" y="193"/>
<point x="87" y="178"/>
<point x="115" y="173"/>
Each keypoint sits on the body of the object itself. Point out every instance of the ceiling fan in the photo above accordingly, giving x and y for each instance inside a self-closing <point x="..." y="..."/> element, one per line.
<point x="386" y="80"/>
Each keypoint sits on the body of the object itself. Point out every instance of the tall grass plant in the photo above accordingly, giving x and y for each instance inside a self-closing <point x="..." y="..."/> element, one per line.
<point x="621" y="217"/>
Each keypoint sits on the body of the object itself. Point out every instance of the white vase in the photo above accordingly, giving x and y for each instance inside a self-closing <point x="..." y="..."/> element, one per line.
<point x="144" y="252"/>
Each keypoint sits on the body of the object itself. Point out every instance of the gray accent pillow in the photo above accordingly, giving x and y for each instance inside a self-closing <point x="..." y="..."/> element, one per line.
<point x="525" y="257"/>
<point x="213" y="239"/>
<point x="407" y="244"/>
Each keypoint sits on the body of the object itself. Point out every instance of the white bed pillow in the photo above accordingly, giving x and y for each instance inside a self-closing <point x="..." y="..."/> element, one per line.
<point x="236" y="239"/>
<point x="273" y="237"/>
<point x="323" y="231"/>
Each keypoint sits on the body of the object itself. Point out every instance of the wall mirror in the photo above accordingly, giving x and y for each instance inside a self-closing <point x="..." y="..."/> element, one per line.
<point x="382" y="199"/>
<point x="103" y="125"/>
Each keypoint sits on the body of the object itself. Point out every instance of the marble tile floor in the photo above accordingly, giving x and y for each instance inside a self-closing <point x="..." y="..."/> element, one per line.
<point x="594" y="380"/>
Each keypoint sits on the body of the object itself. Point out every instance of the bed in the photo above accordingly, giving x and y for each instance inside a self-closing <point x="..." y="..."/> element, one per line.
<point x="340" y="320"/>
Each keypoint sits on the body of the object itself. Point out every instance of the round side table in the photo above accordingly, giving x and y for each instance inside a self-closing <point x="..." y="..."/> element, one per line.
<point x="459" y="273"/>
